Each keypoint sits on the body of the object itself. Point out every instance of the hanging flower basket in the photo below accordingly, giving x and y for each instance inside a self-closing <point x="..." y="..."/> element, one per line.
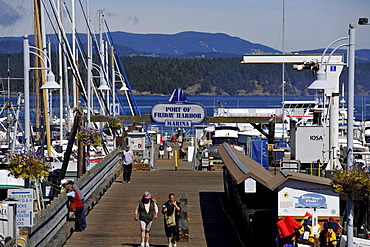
<point x="355" y="181"/>
<point x="89" y="136"/>
<point x="28" y="165"/>
<point x="115" y="123"/>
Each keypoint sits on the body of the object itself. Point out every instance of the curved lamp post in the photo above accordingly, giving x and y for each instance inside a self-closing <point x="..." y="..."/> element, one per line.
<point x="115" y="73"/>
<point x="125" y="89"/>
<point x="49" y="84"/>
<point x="103" y="86"/>
<point x="321" y="78"/>
<point x="350" y="110"/>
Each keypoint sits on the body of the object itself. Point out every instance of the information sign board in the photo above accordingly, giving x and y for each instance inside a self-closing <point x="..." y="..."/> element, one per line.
<point x="24" y="206"/>
<point x="297" y="201"/>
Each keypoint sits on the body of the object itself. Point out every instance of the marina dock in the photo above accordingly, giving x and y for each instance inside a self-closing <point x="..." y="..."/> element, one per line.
<point x="111" y="222"/>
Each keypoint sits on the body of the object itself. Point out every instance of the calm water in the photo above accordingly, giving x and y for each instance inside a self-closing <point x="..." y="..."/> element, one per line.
<point x="145" y="103"/>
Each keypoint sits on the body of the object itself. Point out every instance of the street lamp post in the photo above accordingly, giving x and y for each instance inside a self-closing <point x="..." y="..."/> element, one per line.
<point x="49" y="84"/>
<point x="113" y="86"/>
<point x="350" y="112"/>
<point x="125" y="89"/>
<point x="103" y="86"/>
<point x="26" y="67"/>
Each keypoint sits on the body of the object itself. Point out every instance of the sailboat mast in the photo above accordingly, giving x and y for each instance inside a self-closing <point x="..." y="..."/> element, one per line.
<point x="89" y="63"/>
<point x="9" y="104"/>
<point x="39" y="12"/>
<point x="103" y="57"/>
<point x="37" y="42"/>
<point x="65" y="78"/>
<point x="283" y="70"/>
<point x="8" y="78"/>
<point x="74" y="83"/>
<point x="60" y="79"/>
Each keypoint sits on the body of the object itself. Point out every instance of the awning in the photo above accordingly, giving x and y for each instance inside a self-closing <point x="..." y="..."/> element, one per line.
<point x="242" y="167"/>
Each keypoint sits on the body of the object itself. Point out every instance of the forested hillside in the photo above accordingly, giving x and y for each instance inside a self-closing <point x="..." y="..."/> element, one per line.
<point x="217" y="76"/>
<point x="225" y="76"/>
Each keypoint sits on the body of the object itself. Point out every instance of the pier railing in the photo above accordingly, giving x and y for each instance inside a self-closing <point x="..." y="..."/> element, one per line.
<point x="52" y="225"/>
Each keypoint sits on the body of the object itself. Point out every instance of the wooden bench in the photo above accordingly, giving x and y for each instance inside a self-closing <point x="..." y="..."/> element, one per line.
<point x="141" y="167"/>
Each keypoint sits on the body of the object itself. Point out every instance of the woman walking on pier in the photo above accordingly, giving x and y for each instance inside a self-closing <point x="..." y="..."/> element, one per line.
<point x="145" y="211"/>
<point x="171" y="211"/>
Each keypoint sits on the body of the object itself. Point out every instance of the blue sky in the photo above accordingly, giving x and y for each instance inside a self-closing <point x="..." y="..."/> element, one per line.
<point x="308" y="24"/>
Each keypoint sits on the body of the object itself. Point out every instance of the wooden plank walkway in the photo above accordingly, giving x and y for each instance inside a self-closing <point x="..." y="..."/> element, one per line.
<point x="111" y="221"/>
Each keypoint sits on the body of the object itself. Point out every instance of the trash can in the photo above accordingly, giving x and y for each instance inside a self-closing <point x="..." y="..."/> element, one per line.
<point x="329" y="173"/>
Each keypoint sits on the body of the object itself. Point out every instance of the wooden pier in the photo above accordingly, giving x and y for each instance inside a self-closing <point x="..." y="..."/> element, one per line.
<point x="111" y="222"/>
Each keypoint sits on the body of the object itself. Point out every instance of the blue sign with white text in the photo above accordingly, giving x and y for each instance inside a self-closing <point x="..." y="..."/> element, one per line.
<point x="311" y="200"/>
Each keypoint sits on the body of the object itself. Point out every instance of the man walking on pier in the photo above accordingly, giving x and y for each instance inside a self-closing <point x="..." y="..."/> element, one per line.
<point x="128" y="158"/>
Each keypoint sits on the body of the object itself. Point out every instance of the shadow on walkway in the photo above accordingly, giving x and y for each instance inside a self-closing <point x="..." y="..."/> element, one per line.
<point x="218" y="228"/>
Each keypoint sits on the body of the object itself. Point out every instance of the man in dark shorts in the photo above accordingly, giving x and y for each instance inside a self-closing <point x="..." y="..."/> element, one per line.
<point x="171" y="211"/>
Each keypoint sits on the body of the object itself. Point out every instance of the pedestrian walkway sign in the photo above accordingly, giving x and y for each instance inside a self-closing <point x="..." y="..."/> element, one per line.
<point x="24" y="206"/>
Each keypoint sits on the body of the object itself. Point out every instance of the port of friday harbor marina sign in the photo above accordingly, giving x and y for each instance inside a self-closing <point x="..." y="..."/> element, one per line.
<point x="178" y="114"/>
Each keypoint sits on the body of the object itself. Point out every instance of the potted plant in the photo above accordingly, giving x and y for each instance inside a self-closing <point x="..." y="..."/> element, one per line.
<point x="28" y="165"/>
<point x="89" y="136"/>
<point x="115" y="123"/>
<point x="356" y="182"/>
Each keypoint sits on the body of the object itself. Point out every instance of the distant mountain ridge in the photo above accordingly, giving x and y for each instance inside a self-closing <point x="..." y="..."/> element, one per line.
<point x="189" y="42"/>
<point x="181" y="45"/>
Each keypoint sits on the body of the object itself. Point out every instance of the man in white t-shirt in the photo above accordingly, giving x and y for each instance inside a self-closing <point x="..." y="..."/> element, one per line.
<point x="128" y="158"/>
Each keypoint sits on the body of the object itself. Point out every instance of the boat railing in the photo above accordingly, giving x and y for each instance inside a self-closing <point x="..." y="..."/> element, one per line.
<point x="258" y="112"/>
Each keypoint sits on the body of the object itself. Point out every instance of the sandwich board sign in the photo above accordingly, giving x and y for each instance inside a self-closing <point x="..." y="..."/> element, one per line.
<point x="24" y="206"/>
<point x="4" y="219"/>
